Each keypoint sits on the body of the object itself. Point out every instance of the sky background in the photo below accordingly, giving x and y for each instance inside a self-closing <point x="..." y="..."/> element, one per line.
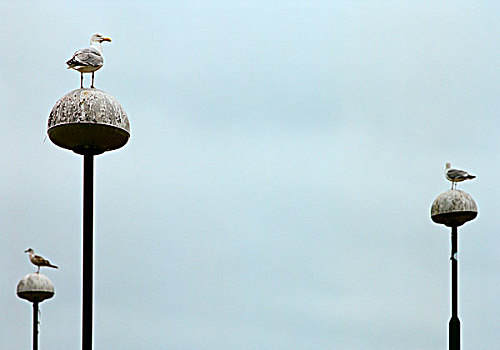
<point x="275" y="192"/>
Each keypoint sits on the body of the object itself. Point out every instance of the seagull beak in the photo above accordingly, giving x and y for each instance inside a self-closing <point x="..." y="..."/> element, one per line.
<point x="26" y="250"/>
<point x="106" y="39"/>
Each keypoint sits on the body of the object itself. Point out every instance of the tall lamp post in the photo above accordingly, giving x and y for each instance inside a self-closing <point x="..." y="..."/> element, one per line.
<point x="453" y="208"/>
<point x="88" y="122"/>
<point x="35" y="288"/>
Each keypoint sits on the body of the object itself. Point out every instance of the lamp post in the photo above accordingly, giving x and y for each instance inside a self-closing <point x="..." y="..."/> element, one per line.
<point x="88" y="122"/>
<point x="453" y="208"/>
<point x="35" y="288"/>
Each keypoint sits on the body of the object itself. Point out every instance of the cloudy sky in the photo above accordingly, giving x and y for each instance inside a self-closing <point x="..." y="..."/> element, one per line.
<point x="276" y="189"/>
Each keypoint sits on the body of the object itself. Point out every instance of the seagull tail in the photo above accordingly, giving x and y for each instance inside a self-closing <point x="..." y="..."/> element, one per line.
<point x="53" y="266"/>
<point x="470" y="177"/>
<point x="71" y="63"/>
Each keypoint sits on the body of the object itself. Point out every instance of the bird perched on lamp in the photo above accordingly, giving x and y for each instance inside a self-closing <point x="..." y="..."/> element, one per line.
<point x="37" y="260"/>
<point x="90" y="59"/>
<point x="456" y="175"/>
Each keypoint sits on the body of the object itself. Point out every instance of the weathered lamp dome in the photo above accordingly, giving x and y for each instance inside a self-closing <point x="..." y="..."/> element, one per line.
<point x="453" y="208"/>
<point x="88" y="121"/>
<point x="35" y="287"/>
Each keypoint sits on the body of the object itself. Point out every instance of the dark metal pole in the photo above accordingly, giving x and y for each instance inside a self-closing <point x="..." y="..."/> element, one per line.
<point x="88" y="250"/>
<point x="35" y="326"/>
<point x="454" y="321"/>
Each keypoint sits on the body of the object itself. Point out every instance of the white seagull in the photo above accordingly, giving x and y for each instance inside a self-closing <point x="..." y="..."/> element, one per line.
<point x="90" y="59"/>
<point x="456" y="175"/>
<point x="38" y="260"/>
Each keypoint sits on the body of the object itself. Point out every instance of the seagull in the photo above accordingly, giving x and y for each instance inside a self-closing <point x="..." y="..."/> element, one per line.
<point x="88" y="60"/>
<point x="38" y="260"/>
<point x="456" y="175"/>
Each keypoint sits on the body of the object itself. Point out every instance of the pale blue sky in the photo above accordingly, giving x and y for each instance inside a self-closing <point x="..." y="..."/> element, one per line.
<point x="276" y="189"/>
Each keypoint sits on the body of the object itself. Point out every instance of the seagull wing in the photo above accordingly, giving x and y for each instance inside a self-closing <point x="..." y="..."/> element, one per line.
<point x="88" y="57"/>
<point x="39" y="261"/>
<point x="456" y="175"/>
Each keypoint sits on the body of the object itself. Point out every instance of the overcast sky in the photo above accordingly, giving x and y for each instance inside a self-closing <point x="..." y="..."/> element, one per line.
<point x="276" y="189"/>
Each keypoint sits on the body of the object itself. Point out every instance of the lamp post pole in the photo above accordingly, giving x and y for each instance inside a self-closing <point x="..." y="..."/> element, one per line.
<point x="454" y="326"/>
<point x="88" y="122"/>
<point x="454" y="208"/>
<point x="35" y="325"/>
<point x="35" y="288"/>
<point x="88" y="251"/>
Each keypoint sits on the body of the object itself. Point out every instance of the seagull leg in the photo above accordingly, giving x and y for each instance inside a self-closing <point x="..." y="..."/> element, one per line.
<point x="92" y="85"/>
<point x="81" y="80"/>
<point x="38" y="269"/>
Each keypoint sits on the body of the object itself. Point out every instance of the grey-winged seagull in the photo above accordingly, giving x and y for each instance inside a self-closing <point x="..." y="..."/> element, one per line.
<point x="38" y="260"/>
<point x="88" y="60"/>
<point x="456" y="175"/>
